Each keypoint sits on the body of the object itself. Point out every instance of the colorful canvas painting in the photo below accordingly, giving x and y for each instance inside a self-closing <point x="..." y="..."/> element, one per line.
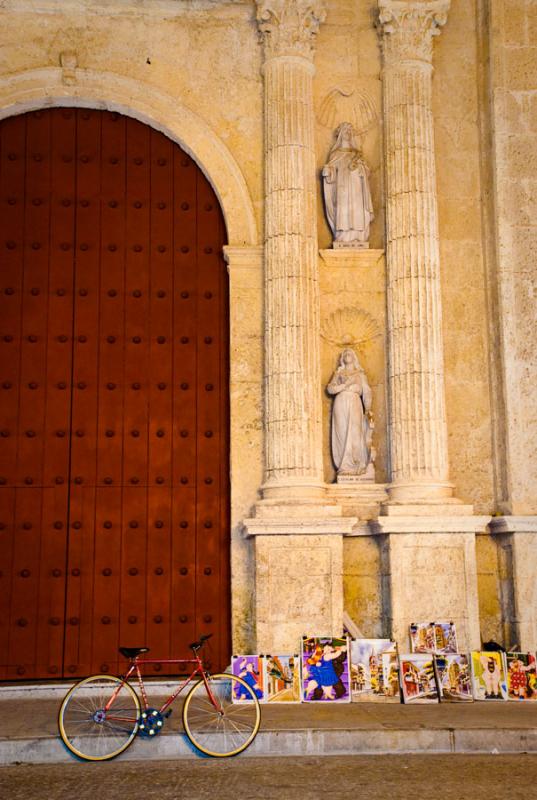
<point x="325" y="670"/>
<point x="417" y="678"/>
<point x="433" y="637"/>
<point x="250" y="669"/>
<point x="453" y="677"/>
<point x="521" y="676"/>
<point x="282" y="679"/>
<point x="422" y="638"/>
<point x="445" y="638"/>
<point x="489" y="681"/>
<point x="374" y="670"/>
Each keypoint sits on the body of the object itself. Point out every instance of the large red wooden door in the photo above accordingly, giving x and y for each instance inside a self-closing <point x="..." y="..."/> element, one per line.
<point x="114" y="487"/>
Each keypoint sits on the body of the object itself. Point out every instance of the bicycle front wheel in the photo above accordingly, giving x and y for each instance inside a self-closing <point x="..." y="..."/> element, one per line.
<point x="214" y="722"/>
<point x="99" y="717"/>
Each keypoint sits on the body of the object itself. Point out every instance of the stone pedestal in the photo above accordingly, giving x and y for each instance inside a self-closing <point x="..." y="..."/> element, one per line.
<point x="298" y="582"/>
<point x="298" y="571"/>
<point x="523" y="534"/>
<point x="351" y="246"/>
<point x="429" y="573"/>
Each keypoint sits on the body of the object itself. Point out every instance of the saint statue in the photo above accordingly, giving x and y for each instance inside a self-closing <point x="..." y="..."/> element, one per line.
<point x="347" y="197"/>
<point x="352" y="421"/>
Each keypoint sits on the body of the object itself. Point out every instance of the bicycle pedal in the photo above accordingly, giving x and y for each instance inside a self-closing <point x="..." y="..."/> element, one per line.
<point x="168" y="713"/>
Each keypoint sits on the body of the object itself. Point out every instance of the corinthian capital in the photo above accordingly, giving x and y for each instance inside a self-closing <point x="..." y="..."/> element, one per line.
<point x="407" y="28"/>
<point x="289" y="27"/>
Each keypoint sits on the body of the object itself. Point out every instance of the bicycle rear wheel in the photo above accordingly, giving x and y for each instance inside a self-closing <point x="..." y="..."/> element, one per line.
<point x="90" y="731"/>
<point x="215" y="722"/>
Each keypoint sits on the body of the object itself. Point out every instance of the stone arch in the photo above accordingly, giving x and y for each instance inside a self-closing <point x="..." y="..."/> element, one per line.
<point x="40" y="88"/>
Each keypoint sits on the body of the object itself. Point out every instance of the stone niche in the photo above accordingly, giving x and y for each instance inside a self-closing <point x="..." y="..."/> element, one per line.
<point x="353" y="314"/>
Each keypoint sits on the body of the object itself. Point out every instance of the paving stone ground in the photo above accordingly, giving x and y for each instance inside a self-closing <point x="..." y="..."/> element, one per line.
<point x="357" y="777"/>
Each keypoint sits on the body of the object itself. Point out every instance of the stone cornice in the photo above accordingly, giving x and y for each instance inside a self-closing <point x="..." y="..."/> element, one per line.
<point x="289" y="27"/>
<point x="407" y="28"/>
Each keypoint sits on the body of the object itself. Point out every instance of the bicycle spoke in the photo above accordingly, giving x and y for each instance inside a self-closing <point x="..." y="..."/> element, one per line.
<point x="90" y="731"/>
<point x="224" y="730"/>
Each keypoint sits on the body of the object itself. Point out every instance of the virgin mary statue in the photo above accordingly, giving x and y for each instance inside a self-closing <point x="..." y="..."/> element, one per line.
<point x="347" y="197"/>
<point x="351" y="415"/>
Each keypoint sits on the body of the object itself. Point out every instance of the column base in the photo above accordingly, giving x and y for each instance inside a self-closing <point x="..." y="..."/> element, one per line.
<point x="523" y="533"/>
<point x="429" y="573"/>
<point x="429" y="499"/>
<point x="294" y="490"/>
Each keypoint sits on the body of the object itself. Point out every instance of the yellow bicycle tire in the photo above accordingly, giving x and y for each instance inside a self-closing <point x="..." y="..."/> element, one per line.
<point x="252" y="705"/>
<point x="65" y="706"/>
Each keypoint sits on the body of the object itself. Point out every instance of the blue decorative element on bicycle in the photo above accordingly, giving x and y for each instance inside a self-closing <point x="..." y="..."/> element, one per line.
<point x="150" y="723"/>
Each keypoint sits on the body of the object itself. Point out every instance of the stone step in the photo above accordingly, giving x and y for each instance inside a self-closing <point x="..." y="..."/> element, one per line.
<point x="29" y="732"/>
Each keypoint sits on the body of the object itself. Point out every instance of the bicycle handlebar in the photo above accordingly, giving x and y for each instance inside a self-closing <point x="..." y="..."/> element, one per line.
<point x="201" y="641"/>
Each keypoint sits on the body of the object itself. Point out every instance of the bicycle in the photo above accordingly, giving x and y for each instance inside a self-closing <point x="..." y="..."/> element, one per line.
<point x="101" y="715"/>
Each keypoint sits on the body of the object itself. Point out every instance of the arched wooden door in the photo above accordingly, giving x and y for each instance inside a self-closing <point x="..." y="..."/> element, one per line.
<point x="114" y="478"/>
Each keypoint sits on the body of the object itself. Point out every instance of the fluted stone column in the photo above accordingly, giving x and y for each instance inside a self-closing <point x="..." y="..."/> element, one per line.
<point x="297" y="531"/>
<point x="418" y="431"/>
<point x="293" y="437"/>
<point x="428" y="552"/>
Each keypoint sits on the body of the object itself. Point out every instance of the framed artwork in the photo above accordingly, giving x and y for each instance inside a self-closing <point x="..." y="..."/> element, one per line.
<point x="250" y="669"/>
<point x="489" y="680"/>
<point x="374" y="670"/>
<point x="282" y="679"/>
<point x="433" y="637"/>
<point x="418" y="681"/>
<point x="521" y="676"/>
<point x="325" y="670"/>
<point x="453" y="677"/>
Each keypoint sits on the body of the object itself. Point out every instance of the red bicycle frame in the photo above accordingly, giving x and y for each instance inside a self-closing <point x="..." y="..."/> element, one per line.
<point x="135" y="668"/>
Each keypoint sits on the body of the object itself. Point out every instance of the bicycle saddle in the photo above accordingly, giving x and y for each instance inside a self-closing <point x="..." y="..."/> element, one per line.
<point x="132" y="652"/>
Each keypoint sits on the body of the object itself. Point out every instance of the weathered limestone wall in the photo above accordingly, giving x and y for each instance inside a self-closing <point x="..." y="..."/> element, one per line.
<point x="508" y="34"/>
<point x="245" y="267"/>
<point x="362" y="584"/>
<point x="465" y="325"/>
<point x="203" y="53"/>
<point x="495" y="589"/>
<point x="512" y="42"/>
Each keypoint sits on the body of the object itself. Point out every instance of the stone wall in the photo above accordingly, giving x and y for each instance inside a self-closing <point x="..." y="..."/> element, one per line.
<point x="465" y="324"/>
<point x="193" y="70"/>
<point x="512" y="42"/>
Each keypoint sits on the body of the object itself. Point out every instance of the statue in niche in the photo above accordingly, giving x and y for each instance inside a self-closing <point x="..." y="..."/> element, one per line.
<point x="352" y="420"/>
<point x="347" y="197"/>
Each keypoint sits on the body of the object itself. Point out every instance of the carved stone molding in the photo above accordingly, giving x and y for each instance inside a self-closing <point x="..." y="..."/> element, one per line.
<point x="351" y="259"/>
<point x="69" y="64"/>
<point x="289" y="27"/>
<point x="346" y="102"/>
<point x="407" y="28"/>
<point x="349" y="327"/>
